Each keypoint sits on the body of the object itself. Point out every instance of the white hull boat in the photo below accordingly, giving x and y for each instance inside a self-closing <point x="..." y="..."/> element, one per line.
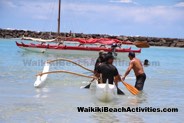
<point x="105" y="92"/>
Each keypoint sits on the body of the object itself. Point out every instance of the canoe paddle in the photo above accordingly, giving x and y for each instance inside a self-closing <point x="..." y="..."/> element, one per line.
<point x="141" y="44"/>
<point x="131" y="88"/>
<point x="120" y="92"/>
<point x="88" y="86"/>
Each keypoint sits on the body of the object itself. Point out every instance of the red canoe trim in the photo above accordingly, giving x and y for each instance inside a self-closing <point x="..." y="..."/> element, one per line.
<point x="56" y="47"/>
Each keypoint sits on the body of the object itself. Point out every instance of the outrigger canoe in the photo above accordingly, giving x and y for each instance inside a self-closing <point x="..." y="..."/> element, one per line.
<point x="53" y="48"/>
<point x="104" y="92"/>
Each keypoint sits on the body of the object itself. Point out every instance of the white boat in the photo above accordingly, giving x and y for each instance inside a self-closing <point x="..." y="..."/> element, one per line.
<point x="105" y="92"/>
<point x="69" y="48"/>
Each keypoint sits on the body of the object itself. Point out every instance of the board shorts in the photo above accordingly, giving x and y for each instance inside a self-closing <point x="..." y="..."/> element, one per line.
<point x="140" y="79"/>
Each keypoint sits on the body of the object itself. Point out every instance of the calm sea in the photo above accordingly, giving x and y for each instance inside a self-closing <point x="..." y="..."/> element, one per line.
<point x="58" y="100"/>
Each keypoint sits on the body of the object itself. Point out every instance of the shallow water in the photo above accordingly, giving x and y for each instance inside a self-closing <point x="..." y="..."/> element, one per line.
<point x="58" y="100"/>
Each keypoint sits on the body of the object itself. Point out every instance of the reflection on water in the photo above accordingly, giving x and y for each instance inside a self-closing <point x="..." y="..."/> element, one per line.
<point x="119" y="102"/>
<point x="133" y="118"/>
<point x="102" y="117"/>
<point x="42" y="92"/>
<point x="139" y="99"/>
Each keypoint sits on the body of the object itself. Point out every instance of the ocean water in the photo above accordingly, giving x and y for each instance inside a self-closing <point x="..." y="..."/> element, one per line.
<point x="58" y="100"/>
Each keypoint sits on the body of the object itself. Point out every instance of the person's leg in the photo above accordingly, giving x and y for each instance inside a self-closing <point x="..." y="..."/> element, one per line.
<point x="140" y="81"/>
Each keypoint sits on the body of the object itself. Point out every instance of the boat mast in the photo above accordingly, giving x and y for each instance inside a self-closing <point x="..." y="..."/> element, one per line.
<point x="59" y="12"/>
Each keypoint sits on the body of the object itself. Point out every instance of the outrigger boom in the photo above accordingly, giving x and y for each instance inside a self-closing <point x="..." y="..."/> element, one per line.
<point x="104" y="92"/>
<point x="41" y="77"/>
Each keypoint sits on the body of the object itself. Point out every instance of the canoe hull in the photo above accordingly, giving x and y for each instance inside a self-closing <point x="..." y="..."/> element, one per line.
<point x="105" y="92"/>
<point x="71" y="50"/>
<point x="59" y="49"/>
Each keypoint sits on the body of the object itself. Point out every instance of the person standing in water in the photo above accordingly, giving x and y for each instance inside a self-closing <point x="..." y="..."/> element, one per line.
<point x="136" y="65"/>
<point x="109" y="72"/>
<point x="100" y="59"/>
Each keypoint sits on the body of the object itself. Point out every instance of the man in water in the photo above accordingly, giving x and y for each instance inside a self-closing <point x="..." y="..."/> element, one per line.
<point x="146" y="62"/>
<point x="136" y="65"/>
<point x="109" y="72"/>
<point x="113" y="47"/>
<point x="100" y="59"/>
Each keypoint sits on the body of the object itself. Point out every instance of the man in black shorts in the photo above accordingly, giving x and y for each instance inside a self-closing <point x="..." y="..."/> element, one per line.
<point x="136" y="65"/>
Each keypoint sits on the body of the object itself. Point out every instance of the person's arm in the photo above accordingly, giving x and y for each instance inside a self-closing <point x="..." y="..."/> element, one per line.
<point x="98" y="71"/>
<point x="96" y="65"/>
<point x="117" y="77"/>
<point x="128" y="70"/>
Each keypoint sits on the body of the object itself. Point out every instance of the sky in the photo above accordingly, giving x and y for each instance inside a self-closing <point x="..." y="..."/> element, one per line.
<point x="153" y="18"/>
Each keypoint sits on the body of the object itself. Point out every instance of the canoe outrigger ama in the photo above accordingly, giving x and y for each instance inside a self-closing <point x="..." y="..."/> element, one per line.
<point x="104" y="92"/>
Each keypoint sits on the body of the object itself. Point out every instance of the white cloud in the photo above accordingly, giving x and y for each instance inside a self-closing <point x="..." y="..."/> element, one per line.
<point x="98" y="12"/>
<point x="37" y="9"/>
<point x="137" y="14"/>
<point x="8" y="3"/>
<point x="180" y="4"/>
<point x="121" y="1"/>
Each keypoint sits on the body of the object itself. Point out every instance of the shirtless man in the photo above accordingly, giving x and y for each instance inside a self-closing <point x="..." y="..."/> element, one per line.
<point x="136" y="65"/>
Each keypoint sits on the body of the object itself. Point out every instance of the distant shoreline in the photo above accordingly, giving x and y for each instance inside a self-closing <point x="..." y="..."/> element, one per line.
<point x="153" y="41"/>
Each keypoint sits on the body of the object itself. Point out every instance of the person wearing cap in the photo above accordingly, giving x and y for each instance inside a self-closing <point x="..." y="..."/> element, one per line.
<point x="100" y="59"/>
<point x="113" y="49"/>
<point x="136" y="65"/>
<point x="109" y="72"/>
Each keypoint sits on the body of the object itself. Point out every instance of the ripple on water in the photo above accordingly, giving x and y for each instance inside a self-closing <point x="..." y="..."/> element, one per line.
<point x="57" y="102"/>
